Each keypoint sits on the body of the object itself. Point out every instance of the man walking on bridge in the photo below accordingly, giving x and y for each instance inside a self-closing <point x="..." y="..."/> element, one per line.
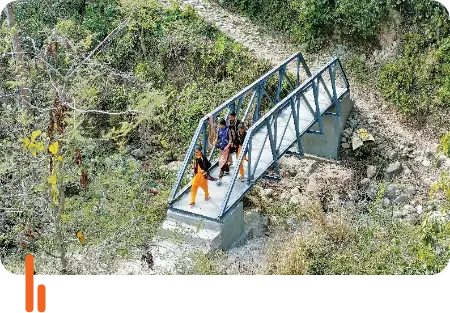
<point x="223" y="142"/>
<point x="233" y="126"/>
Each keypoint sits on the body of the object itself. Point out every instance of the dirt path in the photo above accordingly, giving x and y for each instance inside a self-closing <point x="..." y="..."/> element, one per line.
<point x="275" y="49"/>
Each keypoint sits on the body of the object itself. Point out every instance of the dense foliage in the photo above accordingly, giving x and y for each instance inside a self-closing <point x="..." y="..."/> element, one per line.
<point x="314" y="22"/>
<point x="106" y="77"/>
<point x="417" y="82"/>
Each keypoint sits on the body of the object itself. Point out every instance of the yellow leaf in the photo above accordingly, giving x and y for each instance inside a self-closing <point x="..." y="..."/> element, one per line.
<point x="33" y="152"/>
<point x="40" y="146"/>
<point x="60" y="158"/>
<point x="81" y="237"/>
<point x="52" y="180"/>
<point x="35" y="134"/>
<point x="26" y="142"/>
<point x="53" y="148"/>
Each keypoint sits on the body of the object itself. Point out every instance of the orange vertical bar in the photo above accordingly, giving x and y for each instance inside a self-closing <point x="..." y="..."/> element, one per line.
<point x="29" y="282"/>
<point x="41" y="298"/>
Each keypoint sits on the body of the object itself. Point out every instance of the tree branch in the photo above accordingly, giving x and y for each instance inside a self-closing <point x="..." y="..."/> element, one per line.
<point x="107" y="38"/>
<point x="100" y="111"/>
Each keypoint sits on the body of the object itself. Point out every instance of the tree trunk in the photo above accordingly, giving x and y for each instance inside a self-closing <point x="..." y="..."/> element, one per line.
<point x="17" y="48"/>
<point x="11" y="21"/>
<point x="57" y="211"/>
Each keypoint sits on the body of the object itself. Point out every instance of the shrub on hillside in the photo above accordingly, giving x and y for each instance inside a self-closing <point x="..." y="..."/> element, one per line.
<point x="277" y="13"/>
<point x="314" y="23"/>
<point x="418" y="82"/>
<point x="360" y="21"/>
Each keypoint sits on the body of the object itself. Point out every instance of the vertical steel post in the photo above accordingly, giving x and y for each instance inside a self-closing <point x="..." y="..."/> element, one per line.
<point x="273" y="147"/>
<point x="249" y="159"/>
<point x="297" y="127"/>
<point x="258" y="103"/>
<point x="332" y="71"/>
<point x="316" y="100"/>
<point x="280" y="84"/>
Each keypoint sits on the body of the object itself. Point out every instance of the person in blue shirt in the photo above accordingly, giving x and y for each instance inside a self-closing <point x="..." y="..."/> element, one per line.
<point x="223" y="143"/>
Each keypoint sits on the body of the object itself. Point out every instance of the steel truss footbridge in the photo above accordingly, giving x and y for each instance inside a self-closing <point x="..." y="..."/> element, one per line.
<point x="279" y="108"/>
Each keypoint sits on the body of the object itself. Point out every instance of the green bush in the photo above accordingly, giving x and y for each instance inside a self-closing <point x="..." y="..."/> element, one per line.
<point x="418" y="81"/>
<point x="314" y="23"/>
<point x="361" y="21"/>
<point x="278" y="14"/>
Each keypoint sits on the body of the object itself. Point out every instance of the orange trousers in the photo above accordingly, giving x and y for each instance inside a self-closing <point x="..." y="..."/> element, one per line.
<point x="199" y="181"/>
<point x="241" y="166"/>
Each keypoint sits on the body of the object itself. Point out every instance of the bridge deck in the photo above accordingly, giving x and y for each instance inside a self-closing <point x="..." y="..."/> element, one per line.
<point x="212" y="207"/>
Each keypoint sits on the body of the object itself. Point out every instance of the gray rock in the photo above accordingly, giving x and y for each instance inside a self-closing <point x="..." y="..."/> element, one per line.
<point x="295" y="200"/>
<point x="138" y="153"/>
<point x="345" y="146"/>
<point x="348" y="132"/>
<point x="385" y="202"/>
<point x="401" y="199"/>
<point x="267" y="192"/>
<point x="295" y="191"/>
<point x="372" y="190"/>
<point x="447" y="162"/>
<point x="343" y="140"/>
<point x="442" y="159"/>
<point x="407" y="171"/>
<point x="393" y="155"/>
<point x="265" y="220"/>
<point x="285" y="196"/>
<point x="371" y="171"/>
<point x="426" y="163"/>
<point x="365" y="181"/>
<point x="419" y="209"/>
<point x="393" y="168"/>
<point x="429" y="153"/>
<point x="411" y="191"/>
<point x="350" y="205"/>
<point x="292" y="223"/>
<point x="353" y="123"/>
<point x="391" y="191"/>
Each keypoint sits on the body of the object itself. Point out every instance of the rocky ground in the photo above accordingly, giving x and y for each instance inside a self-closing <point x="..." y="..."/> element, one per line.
<point x="402" y="161"/>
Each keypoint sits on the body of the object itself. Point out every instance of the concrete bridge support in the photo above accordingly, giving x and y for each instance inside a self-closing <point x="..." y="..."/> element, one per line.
<point x="211" y="234"/>
<point x="328" y="145"/>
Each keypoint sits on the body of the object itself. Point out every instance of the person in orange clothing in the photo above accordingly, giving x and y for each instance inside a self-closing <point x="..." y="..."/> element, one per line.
<point x="240" y="141"/>
<point x="201" y="167"/>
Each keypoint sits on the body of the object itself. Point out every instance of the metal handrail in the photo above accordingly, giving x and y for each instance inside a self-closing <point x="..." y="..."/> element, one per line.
<point x="202" y="126"/>
<point x="266" y="121"/>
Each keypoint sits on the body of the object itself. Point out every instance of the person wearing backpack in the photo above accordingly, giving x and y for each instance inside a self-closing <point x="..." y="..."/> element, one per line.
<point x="233" y="124"/>
<point x="223" y="143"/>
